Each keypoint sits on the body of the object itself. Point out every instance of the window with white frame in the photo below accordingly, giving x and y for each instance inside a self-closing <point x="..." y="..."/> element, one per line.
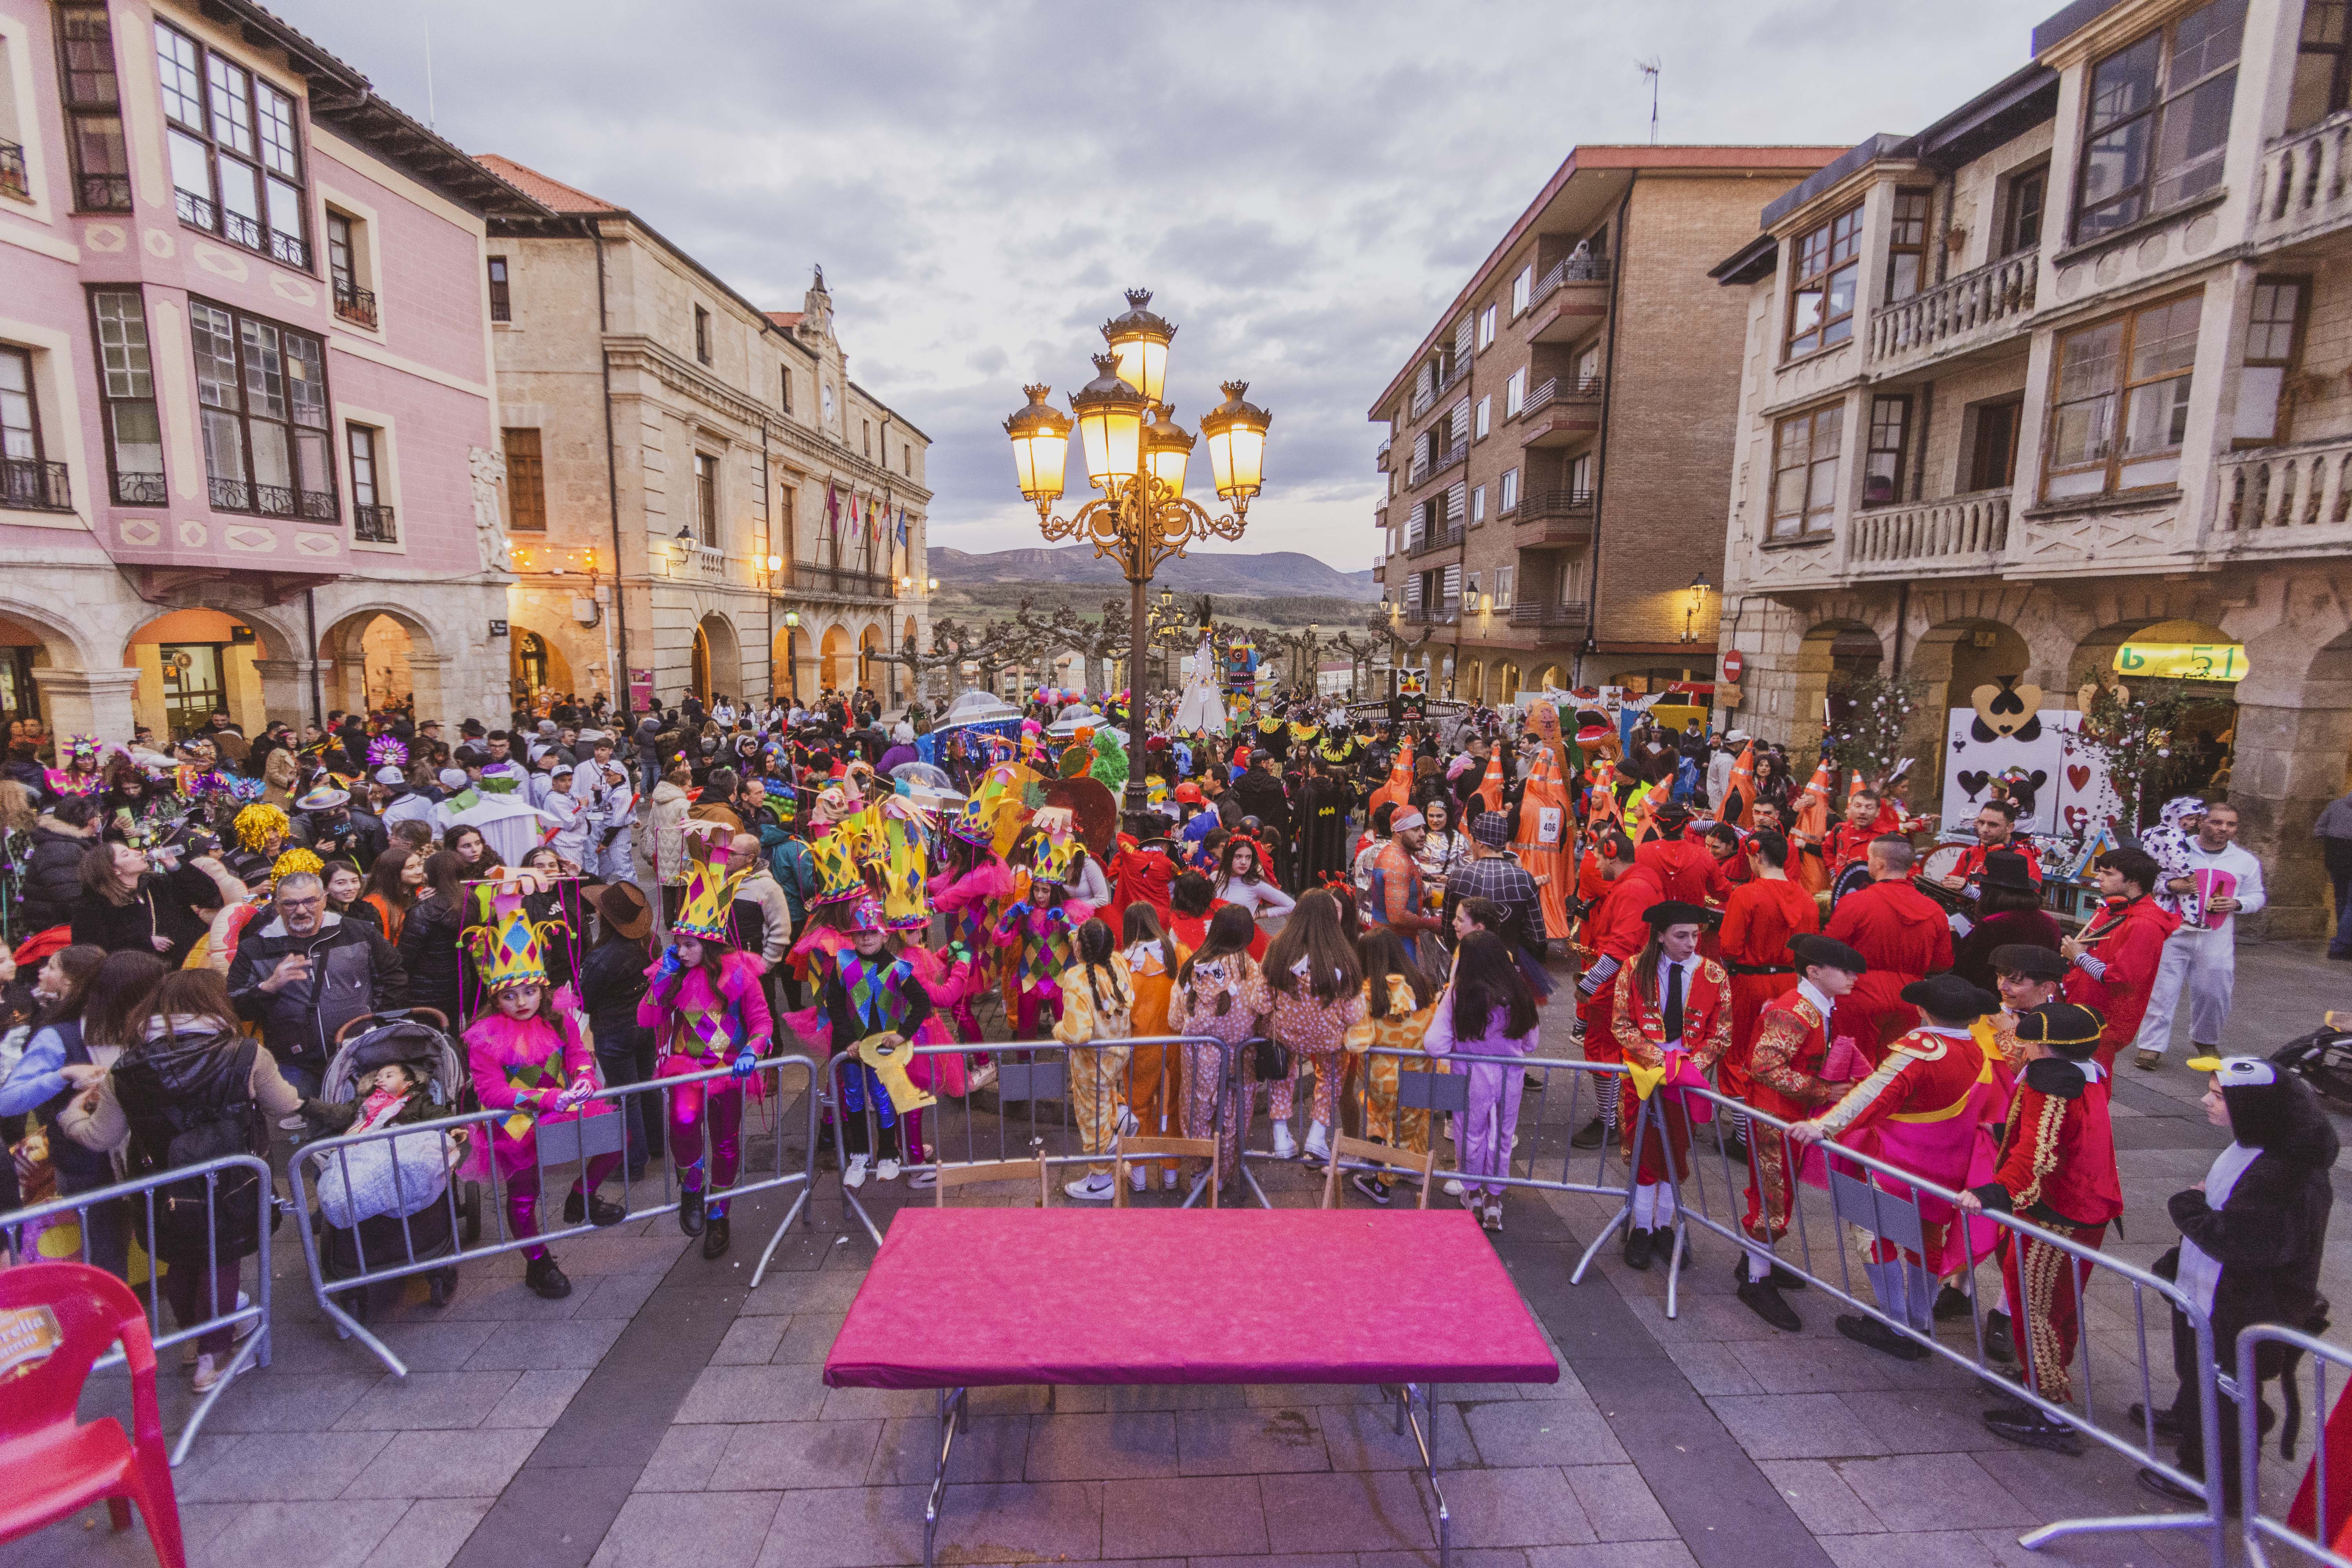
<point x="1514" y="393"/>
<point x="1477" y="505"/>
<point x="371" y="515"/>
<point x="1485" y="417"/>
<point x="263" y="388"/>
<point x="236" y="161"/>
<point x="1503" y="575"/>
<point x="2270" y="354"/>
<point x="1487" y="326"/>
<point x="1523" y="288"/>
<point x="1507" y="500"/>
<point x="126" y="388"/>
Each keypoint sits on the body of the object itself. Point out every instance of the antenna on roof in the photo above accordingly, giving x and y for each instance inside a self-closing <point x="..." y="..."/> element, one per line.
<point x="1650" y="68"/>
<point x="431" y="118"/>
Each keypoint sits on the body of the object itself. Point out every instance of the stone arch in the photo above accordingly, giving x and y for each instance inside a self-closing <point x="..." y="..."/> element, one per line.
<point x="44" y="677"/>
<point x="837" y="666"/>
<point x="875" y="673"/>
<point x="535" y="663"/>
<point x="190" y="663"/>
<point x="378" y="655"/>
<point x="1551" y="677"/>
<point x="1946" y="665"/>
<point x="1470" y="685"/>
<point x="1829" y="651"/>
<point x="718" y="658"/>
<point x="1505" y="682"/>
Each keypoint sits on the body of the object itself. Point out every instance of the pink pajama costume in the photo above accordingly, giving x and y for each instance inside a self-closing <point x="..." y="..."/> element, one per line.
<point x="1494" y="1114"/>
<point x="1193" y="1008"/>
<point x="697" y="1027"/>
<point x="1314" y="1033"/>
<point x="521" y="1066"/>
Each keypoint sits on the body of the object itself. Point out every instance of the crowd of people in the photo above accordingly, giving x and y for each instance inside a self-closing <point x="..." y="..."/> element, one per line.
<point x="1334" y="896"/>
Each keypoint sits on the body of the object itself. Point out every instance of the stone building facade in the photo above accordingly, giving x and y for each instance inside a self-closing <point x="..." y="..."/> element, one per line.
<point x="248" y="424"/>
<point x="2069" y="367"/>
<point x="666" y="440"/>
<point x="1559" y="443"/>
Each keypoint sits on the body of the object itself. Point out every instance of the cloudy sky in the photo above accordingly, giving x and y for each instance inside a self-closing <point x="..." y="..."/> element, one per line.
<point x="1304" y="184"/>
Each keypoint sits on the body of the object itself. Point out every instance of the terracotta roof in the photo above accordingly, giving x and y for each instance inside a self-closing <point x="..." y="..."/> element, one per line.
<point x="786" y="317"/>
<point x="552" y="193"/>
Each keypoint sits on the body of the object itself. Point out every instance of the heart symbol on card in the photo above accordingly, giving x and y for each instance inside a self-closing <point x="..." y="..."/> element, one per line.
<point x="2078" y="777"/>
<point x="2076" y="820"/>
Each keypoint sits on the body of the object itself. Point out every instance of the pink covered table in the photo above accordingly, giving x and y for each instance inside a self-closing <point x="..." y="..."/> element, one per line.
<point x="959" y="1298"/>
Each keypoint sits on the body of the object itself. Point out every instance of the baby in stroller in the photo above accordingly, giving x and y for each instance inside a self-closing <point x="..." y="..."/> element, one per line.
<point x="382" y="1203"/>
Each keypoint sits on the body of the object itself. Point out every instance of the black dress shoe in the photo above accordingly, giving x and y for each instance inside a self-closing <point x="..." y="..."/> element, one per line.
<point x="689" y="1211"/>
<point x="1736" y="1148"/>
<point x="1787" y="1278"/>
<point x="1760" y="1298"/>
<point x="1637" y="1247"/>
<point x="2168" y="1421"/>
<point x="1952" y="1304"/>
<point x="545" y="1278"/>
<point x="2163" y="1486"/>
<point x="599" y="1209"/>
<point x="2020" y="1424"/>
<point x="1870" y="1331"/>
<point x="1997" y="1343"/>
<point x="1589" y="1135"/>
<point x="715" y="1237"/>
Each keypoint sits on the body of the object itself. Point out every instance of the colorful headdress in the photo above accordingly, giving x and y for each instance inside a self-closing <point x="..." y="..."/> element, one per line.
<point x="387" y="751"/>
<point x="258" y="823"/>
<point x="80" y="746"/>
<point x="511" y="950"/>
<point x="1056" y="857"/>
<point x="295" y="862"/>
<point x="907" y="898"/>
<point x="836" y="861"/>
<point x="710" y="898"/>
<point x="869" y="914"/>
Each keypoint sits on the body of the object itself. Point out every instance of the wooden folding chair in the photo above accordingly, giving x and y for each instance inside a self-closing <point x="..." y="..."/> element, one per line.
<point x="1343" y="1147"/>
<point x="978" y="1172"/>
<point x="1139" y="1148"/>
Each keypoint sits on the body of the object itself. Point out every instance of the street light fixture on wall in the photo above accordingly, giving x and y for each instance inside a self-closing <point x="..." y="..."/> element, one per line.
<point x="1696" y="607"/>
<point x="1137" y="454"/>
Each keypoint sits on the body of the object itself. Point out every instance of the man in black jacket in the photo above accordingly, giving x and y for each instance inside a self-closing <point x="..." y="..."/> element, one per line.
<point x="306" y="973"/>
<point x="1260" y="794"/>
<point x="53" y="871"/>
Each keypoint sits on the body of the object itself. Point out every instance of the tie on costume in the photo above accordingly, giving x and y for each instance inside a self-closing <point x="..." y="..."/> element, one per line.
<point x="1673" y="1021"/>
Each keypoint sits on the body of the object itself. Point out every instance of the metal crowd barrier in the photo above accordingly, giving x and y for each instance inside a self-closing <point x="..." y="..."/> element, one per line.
<point x="252" y="1344"/>
<point x="432" y="1238"/>
<point x="1035" y="1074"/>
<point x="2257" y="1526"/>
<point x="1425" y="1083"/>
<point x="1882" y="1200"/>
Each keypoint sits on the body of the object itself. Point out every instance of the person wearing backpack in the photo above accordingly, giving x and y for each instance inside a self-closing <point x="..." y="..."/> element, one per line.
<point x="191" y="1089"/>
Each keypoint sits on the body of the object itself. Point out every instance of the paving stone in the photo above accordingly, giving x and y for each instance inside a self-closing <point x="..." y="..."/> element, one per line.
<point x="429" y="1534"/>
<point x="754" y="1394"/>
<point x="1210" y="1515"/>
<point x="277" y="1401"/>
<point x="1914" y="1421"/>
<point x="1532" y="1507"/>
<point x="802" y="1453"/>
<point x="1713" y="1367"/>
<point x="537" y="1398"/>
<point x="685" y="1459"/>
<point x="808" y="1339"/>
<point x="547" y="1347"/>
<point x="476" y="1464"/>
<point x="1797" y="1427"/>
<point x="1916" y="1492"/>
<point x="1614" y="1554"/>
<point x="864" y="1404"/>
<point x="678" y="1530"/>
<point x="1786" y="1365"/>
<point x="750" y="1341"/>
<point x="614" y="1295"/>
<point x="1618" y="1503"/>
<point x="1540" y="1431"/>
<point x="428" y="1400"/>
<point x="1364" y="1438"/>
<point x="281" y="1466"/>
<point x="987" y="1449"/>
<point x="1916" y="1549"/>
<point x="433" y="1345"/>
<point x="1102" y="1447"/>
<point x="1821" y="1497"/>
<point x="331" y="1534"/>
<point x="1361" y="1511"/>
<point x="1048" y="1522"/>
<point x="1252" y="1442"/>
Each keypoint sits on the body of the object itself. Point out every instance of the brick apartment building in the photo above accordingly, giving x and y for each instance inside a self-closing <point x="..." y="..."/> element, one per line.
<point x="1559" y="445"/>
<point x="2068" y="370"/>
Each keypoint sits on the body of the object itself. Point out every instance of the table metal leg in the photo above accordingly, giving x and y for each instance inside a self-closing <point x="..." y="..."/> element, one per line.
<point x="1427" y="1439"/>
<point x="952" y="1407"/>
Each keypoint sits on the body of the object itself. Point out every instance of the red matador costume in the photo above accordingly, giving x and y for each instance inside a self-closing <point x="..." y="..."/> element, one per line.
<point x="1922" y="1109"/>
<point x="1790" y="1044"/>
<point x="1643" y="1019"/>
<point x="1906" y="936"/>
<point x="1614" y="930"/>
<point x="2057" y="1168"/>
<point x="2124" y="944"/>
<point x="1758" y="921"/>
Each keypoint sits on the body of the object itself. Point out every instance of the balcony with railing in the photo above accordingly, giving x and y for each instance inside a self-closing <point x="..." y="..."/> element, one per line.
<point x="374" y="525"/>
<point x="1958" y="536"/>
<point x="1381" y="459"/>
<point x="28" y="484"/>
<point x="273" y="501"/>
<point x="354" y="304"/>
<point x="706" y="562"/>
<point x="1428" y="615"/>
<point x="1439" y="462"/>
<point x="2279" y="501"/>
<point x="1550" y="623"/>
<point x="837" y="585"/>
<point x="2306" y="182"/>
<point x="141" y="490"/>
<point x="1426" y="398"/>
<point x="1559" y="410"/>
<point x="1435" y="540"/>
<point x="12" y="182"/>
<point x="240" y="230"/>
<point x="1976" y="308"/>
<point x="1567" y="299"/>
<point x="1556" y="517"/>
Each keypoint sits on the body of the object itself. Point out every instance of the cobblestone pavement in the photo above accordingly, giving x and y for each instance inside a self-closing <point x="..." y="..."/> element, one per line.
<point x="665" y="1414"/>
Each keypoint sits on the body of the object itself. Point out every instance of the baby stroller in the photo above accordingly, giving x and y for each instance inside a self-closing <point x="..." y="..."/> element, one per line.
<point x="391" y="1202"/>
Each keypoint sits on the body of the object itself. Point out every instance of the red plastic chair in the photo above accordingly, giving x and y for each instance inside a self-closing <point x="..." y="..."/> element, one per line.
<point x="55" y="1463"/>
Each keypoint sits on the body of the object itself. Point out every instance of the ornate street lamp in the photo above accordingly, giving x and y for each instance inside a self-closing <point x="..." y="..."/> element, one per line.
<point x="1136" y="455"/>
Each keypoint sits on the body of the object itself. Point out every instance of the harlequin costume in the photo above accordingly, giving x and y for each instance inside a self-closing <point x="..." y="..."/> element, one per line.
<point x="73" y="779"/>
<point x="528" y="1066"/>
<point x="1037" y="935"/>
<point x="2057" y="1168"/>
<point x="700" y="1023"/>
<point x="874" y="1008"/>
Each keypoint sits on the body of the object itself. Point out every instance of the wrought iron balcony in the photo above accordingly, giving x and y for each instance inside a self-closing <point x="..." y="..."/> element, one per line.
<point x="141" y="490"/>
<point x="1380" y="460"/>
<point x="28" y="484"/>
<point x="12" y="182"/>
<point x="374" y="525"/>
<point x="1560" y="389"/>
<point x="808" y="580"/>
<point x="1435" y="541"/>
<point x="1553" y="516"/>
<point x="1551" y="623"/>
<point x="1439" y="462"/>
<point x="1569" y="269"/>
<point x="273" y="501"/>
<point x="1432" y="615"/>
<point x="353" y="303"/>
<point x="238" y="230"/>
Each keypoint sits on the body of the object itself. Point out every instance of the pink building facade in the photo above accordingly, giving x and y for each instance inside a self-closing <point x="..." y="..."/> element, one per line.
<point x="249" y="433"/>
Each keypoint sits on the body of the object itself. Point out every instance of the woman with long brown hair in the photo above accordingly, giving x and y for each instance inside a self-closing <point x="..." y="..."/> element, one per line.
<point x="395" y="882"/>
<point x="1316" y="982"/>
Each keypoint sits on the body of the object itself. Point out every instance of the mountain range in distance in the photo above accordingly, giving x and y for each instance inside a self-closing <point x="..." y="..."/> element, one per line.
<point x="1275" y="574"/>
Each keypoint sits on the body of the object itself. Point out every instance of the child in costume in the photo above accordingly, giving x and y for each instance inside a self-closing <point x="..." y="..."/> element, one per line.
<point x="706" y="1008"/>
<point x="1398" y="1002"/>
<point x="1219" y="993"/>
<point x="1098" y="1018"/>
<point x="1317" y="984"/>
<point x="1037" y="931"/>
<point x="1155" y="1084"/>
<point x="873" y="1004"/>
<point x="528" y="1056"/>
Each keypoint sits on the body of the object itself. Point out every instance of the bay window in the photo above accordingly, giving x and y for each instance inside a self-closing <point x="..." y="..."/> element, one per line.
<point x="237" y="167"/>
<point x="1807" y="450"/>
<point x="126" y="389"/>
<point x="263" y="391"/>
<point x="2159" y="120"/>
<point x="93" y="106"/>
<point x="1907" y="246"/>
<point x="2121" y="408"/>
<point x="1822" y="281"/>
<point x="2270" y="354"/>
